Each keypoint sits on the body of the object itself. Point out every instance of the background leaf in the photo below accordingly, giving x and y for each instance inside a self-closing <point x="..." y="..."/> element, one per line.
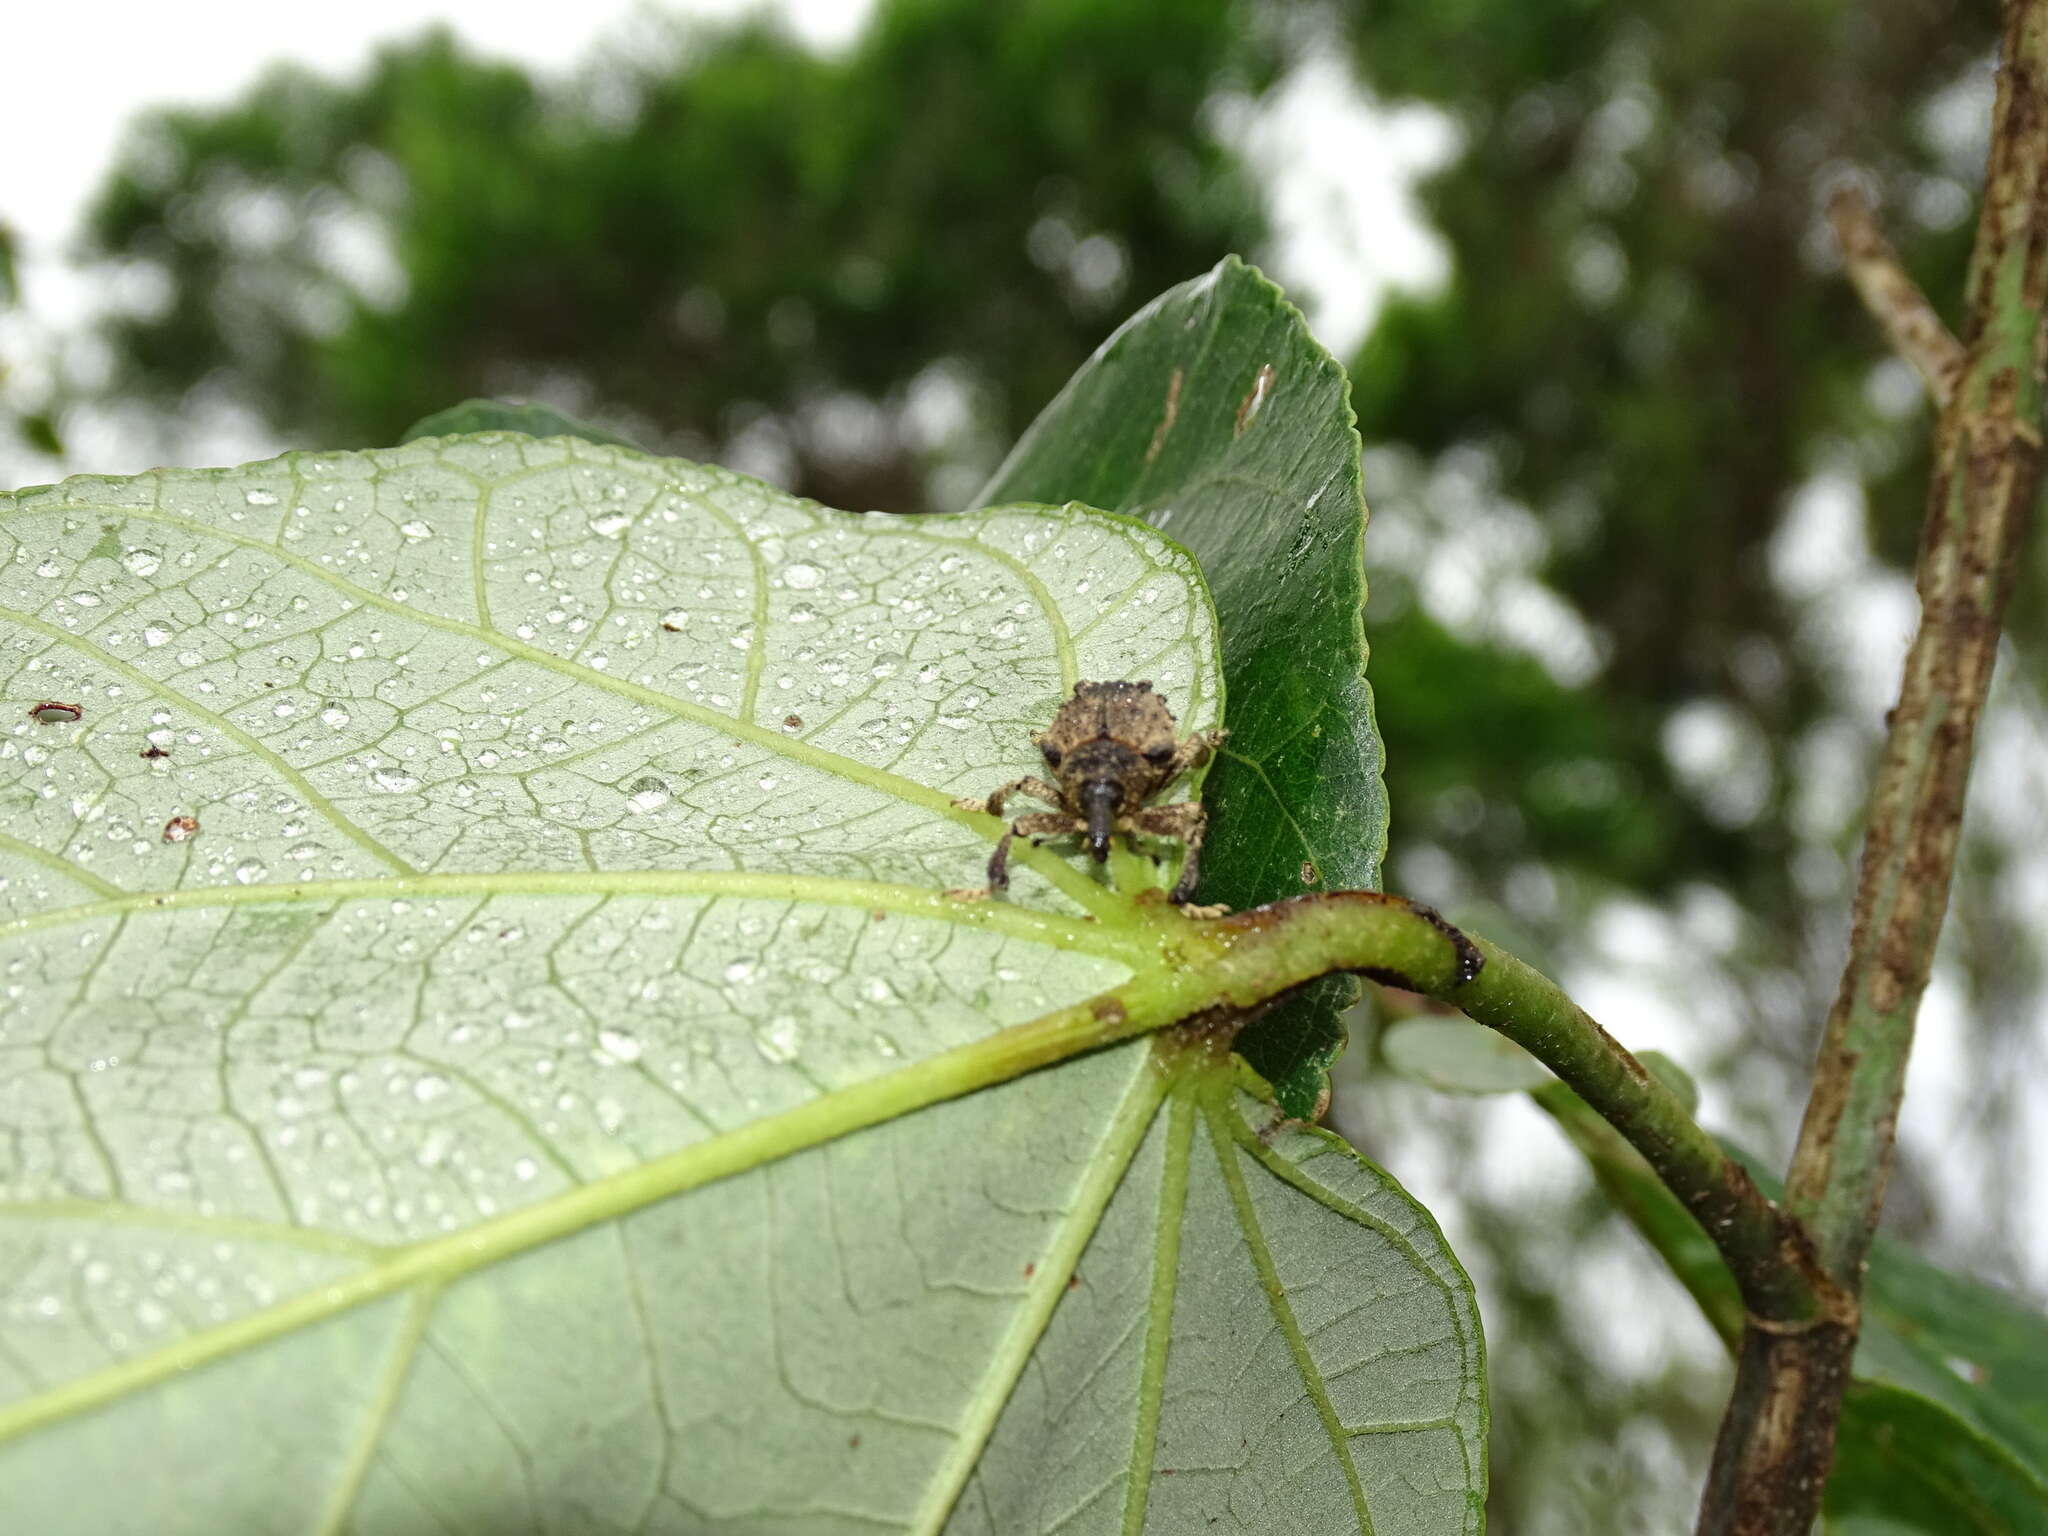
<point x="1458" y="1056"/>
<point x="510" y="416"/>
<point x="475" y="930"/>
<point x="1906" y="1465"/>
<point x="1215" y="416"/>
<point x="1942" y="1429"/>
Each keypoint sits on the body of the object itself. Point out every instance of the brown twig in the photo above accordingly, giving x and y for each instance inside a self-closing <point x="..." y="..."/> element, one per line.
<point x="1777" y="1437"/>
<point x="1910" y="323"/>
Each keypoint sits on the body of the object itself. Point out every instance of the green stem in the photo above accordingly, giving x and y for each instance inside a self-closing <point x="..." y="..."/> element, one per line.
<point x="1651" y="1208"/>
<point x="1771" y="1261"/>
<point x="1354" y="931"/>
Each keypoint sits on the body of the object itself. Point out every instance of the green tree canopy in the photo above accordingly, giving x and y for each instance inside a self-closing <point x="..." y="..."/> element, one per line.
<point x="728" y="236"/>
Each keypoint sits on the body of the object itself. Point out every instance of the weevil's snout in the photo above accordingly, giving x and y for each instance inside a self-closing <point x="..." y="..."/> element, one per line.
<point x="1098" y="809"/>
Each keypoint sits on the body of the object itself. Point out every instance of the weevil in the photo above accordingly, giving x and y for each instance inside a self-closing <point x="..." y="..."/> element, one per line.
<point x="1112" y="748"/>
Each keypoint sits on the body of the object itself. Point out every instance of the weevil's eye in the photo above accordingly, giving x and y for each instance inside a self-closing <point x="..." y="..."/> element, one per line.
<point x="1052" y="756"/>
<point x="1159" y="755"/>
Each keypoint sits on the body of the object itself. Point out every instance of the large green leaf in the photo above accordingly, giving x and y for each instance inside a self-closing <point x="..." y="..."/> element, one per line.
<point x="486" y="1044"/>
<point x="1214" y="415"/>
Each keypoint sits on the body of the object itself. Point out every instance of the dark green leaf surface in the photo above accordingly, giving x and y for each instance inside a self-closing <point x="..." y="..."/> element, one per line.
<point x="1906" y="1467"/>
<point x="1216" y="417"/>
<point x="1968" y="1345"/>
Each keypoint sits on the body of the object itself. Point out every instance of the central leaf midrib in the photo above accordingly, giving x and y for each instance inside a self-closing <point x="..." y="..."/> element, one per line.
<point x="1105" y="940"/>
<point x="1141" y="1004"/>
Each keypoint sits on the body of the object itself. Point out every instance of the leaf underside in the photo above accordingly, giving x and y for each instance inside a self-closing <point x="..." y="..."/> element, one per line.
<point x="1215" y="416"/>
<point x="444" y="1130"/>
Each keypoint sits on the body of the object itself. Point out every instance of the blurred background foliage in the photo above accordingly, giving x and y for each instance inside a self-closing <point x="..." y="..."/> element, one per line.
<point x="1644" y="480"/>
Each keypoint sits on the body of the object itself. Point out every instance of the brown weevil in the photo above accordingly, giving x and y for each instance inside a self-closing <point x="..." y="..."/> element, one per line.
<point x="1112" y="747"/>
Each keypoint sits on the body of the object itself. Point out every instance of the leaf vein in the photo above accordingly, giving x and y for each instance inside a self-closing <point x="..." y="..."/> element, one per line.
<point x="1225" y="1146"/>
<point x="360" y="836"/>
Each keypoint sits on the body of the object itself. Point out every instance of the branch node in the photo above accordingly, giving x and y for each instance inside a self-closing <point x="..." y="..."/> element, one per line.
<point x="1910" y="323"/>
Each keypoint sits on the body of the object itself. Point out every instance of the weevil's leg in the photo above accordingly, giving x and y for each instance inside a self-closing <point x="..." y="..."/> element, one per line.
<point x="999" y="863"/>
<point x="990" y="804"/>
<point x="1186" y="821"/>
<point x="1030" y="784"/>
<point x="1039" y="824"/>
<point x="1034" y="786"/>
<point x="1191" y="752"/>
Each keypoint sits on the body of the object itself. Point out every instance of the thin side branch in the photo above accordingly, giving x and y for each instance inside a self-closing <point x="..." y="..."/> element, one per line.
<point x="1782" y="1285"/>
<point x="1777" y="1438"/>
<point x="1784" y="1289"/>
<point x="1910" y="323"/>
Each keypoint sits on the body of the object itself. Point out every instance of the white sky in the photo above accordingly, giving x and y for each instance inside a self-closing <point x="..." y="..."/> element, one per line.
<point x="1339" y="168"/>
<point x="76" y="72"/>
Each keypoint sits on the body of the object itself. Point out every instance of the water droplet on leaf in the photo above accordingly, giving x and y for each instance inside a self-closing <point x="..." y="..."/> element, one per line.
<point x="647" y="795"/>
<point x="778" y="1039"/>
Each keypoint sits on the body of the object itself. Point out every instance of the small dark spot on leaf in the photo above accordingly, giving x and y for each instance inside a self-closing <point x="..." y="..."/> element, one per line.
<point x="1030" y="1269"/>
<point x="50" y="712"/>
<point x="154" y="751"/>
<point x="1107" y="1009"/>
<point x="1074" y="1281"/>
<point x="878" y="915"/>
<point x="853" y="1442"/>
<point x="181" y="828"/>
<point x="1308" y="872"/>
<point x="792" y="722"/>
